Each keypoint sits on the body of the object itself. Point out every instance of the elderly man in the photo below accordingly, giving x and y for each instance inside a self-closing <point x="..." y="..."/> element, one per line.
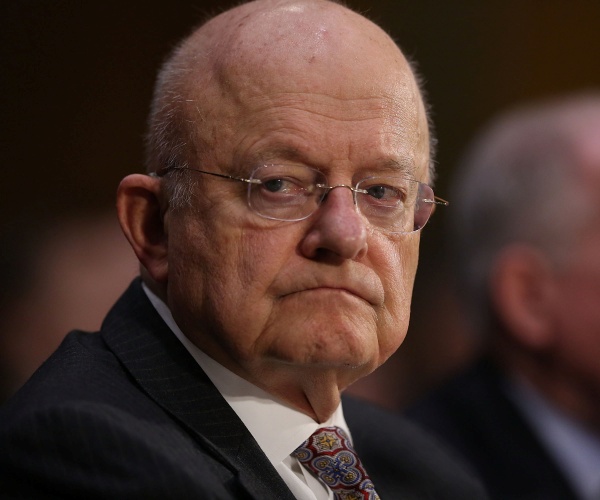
<point x="527" y="228"/>
<point x="278" y="233"/>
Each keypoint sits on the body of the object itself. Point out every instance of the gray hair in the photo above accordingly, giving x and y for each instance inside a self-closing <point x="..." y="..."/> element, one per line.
<point x="168" y="140"/>
<point x="518" y="182"/>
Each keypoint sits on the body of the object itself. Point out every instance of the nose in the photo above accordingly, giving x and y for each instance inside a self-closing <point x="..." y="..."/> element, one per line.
<point x="337" y="228"/>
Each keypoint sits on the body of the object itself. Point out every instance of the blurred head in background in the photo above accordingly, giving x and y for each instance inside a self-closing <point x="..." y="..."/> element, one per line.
<point x="526" y="227"/>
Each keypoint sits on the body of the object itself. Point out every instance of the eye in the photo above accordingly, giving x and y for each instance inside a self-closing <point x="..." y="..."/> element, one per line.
<point x="385" y="194"/>
<point x="380" y="192"/>
<point x="273" y="185"/>
<point x="282" y="185"/>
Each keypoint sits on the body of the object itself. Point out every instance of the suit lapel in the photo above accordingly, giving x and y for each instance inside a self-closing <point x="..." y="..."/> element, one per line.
<point x="164" y="369"/>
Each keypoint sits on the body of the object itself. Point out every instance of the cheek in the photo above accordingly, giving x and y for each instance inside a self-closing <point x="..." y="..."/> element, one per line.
<point x="579" y="327"/>
<point x="579" y="357"/>
<point x="398" y="276"/>
<point x="203" y="265"/>
<point x="239" y="280"/>
<point x="261" y="256"/>
<point x="576" y="320"/>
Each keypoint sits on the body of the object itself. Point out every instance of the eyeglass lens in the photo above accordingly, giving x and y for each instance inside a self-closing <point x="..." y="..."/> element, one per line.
<point x="294" y="192"/>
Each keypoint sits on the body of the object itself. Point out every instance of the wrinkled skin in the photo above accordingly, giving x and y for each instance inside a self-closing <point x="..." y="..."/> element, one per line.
<point x="301" y="309"/>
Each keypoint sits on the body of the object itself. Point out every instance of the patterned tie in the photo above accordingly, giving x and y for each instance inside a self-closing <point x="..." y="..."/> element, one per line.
<point x="329" y="455"/>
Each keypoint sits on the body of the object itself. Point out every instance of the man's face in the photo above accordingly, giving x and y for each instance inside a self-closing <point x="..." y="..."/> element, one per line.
<point x="328" y="292"/>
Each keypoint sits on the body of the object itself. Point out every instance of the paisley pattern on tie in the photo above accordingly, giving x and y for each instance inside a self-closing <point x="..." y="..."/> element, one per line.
<point x="329" y="455"/>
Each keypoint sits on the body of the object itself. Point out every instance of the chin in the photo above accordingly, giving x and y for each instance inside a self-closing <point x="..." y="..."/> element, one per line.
<point x="338" y="355"/>
<point x="352" y="343"/>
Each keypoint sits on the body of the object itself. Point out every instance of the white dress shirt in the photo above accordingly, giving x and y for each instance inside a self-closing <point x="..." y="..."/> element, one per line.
<point x="263" y="415"/>
<point x="574" y="448"/>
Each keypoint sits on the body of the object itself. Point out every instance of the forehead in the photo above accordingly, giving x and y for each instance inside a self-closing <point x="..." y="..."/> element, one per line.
<point x="309" y="70"/>
<point x="325" y="131"/>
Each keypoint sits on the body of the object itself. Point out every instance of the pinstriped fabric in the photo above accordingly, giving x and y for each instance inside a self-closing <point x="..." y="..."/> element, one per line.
<point x="128" y="413"/>
<point x="169" y="374"/>
<point x="166" y="371"/>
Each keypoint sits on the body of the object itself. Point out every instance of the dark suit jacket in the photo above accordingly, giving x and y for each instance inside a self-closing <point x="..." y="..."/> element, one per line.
<point x="128" y="413"/>
<point x="474" y="416"/>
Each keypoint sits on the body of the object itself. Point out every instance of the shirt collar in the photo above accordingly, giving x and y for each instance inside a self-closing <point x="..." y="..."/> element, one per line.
<point x="277" y="428"/>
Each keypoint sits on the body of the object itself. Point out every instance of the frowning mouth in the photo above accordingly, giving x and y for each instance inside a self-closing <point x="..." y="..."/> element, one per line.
<point x="332" y="284"/>
<point x="329" y="290"/>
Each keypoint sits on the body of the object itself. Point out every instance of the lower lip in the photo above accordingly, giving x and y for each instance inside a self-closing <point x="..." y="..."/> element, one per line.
<point x="330" y="291"/>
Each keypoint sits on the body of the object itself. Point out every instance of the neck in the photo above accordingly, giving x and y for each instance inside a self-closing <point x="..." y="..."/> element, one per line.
<point x="317" y="393"/>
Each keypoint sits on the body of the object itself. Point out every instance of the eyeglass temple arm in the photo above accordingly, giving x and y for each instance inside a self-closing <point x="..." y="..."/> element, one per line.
<point x="163" y="171"/>
<point x="436" y="200"/>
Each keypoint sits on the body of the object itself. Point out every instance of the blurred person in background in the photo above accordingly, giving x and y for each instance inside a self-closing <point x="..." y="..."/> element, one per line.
<point x="58" y="274"/>
<point x="526" y="228"/>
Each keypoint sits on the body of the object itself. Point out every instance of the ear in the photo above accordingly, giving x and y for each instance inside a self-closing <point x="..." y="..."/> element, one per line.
<point x="140" y="216"/>
<point x="523" y="291"/>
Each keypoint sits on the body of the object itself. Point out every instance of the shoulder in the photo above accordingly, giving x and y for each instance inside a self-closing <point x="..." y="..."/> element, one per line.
<point x="80" y="425"/>
<point x="474" y="415"/>
<point x="405" y="459"/>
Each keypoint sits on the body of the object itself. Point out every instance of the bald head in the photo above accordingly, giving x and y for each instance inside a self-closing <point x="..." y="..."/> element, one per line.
<point x="306" y="42"/>
<point x="266" y="48"/>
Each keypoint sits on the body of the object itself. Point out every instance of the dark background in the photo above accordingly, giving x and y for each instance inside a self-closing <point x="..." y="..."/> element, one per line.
<point x="76" y="80"/>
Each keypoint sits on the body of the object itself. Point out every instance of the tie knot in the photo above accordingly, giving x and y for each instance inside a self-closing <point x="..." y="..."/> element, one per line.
<point x="329" y="454"/>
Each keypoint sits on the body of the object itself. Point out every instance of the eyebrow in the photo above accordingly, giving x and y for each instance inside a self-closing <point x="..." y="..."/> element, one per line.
<point x="287" y="153"/>
<point x="403" y="166"/>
